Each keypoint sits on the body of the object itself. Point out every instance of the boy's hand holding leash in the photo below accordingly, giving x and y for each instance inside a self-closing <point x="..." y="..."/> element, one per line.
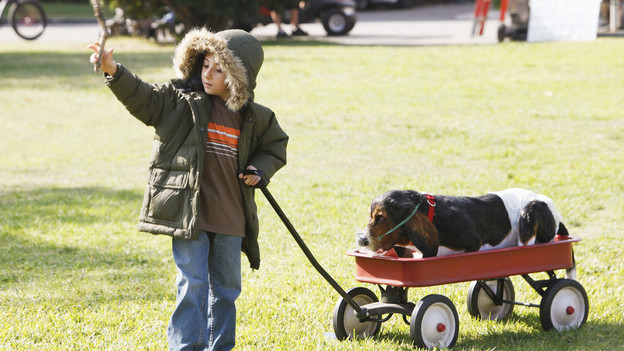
<point x="252" y="177"/>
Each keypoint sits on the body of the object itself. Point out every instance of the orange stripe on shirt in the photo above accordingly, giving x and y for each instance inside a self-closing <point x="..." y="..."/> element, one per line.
<point x="223" y="135"/>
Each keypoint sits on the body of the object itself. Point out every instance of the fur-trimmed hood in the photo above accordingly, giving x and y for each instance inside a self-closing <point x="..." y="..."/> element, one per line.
<point x="238" y="52"/>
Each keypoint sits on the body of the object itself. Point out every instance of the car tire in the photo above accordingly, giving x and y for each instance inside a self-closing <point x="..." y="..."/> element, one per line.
<point x="336" y="22"/>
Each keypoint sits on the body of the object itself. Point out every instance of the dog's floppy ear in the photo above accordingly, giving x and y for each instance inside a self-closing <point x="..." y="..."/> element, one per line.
<point x="423" y="234"/>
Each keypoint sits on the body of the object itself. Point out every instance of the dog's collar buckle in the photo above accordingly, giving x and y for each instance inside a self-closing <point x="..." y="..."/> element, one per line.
<point x="432" y="204"/>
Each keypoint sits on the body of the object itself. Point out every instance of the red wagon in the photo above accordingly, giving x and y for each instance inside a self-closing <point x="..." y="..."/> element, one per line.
<point x="434" y="322"/>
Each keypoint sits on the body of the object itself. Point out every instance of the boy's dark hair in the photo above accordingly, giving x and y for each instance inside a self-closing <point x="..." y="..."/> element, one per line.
<point x="194" y="81"/>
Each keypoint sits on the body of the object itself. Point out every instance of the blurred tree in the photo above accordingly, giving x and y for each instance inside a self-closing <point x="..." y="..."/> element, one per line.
<point x="214" y="14"/>
<point x="138" y="9"/>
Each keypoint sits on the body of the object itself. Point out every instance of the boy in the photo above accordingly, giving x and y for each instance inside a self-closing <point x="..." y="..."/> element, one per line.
<point x="212" y="145"/>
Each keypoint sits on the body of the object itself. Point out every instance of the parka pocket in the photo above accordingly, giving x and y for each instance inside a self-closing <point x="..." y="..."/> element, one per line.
<point x="168" y="192"/>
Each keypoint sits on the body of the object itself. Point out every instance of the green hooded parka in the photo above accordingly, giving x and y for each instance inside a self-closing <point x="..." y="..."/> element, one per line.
<point x="179" y="111"/>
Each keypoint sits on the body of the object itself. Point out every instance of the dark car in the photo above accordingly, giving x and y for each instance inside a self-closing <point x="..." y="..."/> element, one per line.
<point x="365" y="4"/>
<point x="337" y="16"/>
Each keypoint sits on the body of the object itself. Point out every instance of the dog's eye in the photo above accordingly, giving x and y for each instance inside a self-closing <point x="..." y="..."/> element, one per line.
<point x="380" y="219"/>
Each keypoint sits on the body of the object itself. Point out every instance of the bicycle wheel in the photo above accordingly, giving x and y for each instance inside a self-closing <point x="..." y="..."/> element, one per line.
<point x="27" y="19"/>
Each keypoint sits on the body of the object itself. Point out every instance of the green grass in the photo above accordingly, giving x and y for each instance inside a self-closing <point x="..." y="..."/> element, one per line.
<point x="465" y="120"/>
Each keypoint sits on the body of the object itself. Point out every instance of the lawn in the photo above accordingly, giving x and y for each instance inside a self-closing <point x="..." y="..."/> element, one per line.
<point x="76" y="275"/>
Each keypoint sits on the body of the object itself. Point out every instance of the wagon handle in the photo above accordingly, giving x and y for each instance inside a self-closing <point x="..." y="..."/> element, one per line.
<point x="361" y="312"/>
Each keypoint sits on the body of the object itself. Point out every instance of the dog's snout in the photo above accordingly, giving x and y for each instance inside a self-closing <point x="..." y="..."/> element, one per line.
<point x="364" y="241"/>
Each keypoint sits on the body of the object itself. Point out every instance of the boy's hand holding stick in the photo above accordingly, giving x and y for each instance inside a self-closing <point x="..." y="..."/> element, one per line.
<point x="97" y="10"/>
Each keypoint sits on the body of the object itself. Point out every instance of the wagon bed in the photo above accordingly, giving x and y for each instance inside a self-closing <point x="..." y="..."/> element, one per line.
<point x="492" y="264"/>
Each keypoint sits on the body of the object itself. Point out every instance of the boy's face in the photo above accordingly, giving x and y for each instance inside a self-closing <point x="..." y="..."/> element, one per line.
<point x="213" y="78"/>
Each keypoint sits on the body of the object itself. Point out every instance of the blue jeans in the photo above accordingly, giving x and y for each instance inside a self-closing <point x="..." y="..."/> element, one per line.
<point x="208" y="283"/>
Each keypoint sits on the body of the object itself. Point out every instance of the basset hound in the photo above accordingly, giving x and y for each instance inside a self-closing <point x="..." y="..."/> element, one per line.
<point x="438" y="225"/>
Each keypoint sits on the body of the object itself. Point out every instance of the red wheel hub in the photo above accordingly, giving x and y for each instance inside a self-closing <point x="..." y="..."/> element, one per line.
<point x="570" y="310"/>
<point x="440" y="327"/>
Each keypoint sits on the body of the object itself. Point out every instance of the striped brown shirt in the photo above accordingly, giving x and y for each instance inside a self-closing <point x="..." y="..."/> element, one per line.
<point x="221" y="201"/>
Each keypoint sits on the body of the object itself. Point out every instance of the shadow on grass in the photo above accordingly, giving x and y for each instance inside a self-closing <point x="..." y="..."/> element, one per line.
<point x="50" y="64"/>
<point x="60" y="206"/>
<point x="84" y="235"/>
<point x="584" y="338"/>
<point x="40" y="65"/>
<point x="590" y="336"/>
<point x="297" y="42"/>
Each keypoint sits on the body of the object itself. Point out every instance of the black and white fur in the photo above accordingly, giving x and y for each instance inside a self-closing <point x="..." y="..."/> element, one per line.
<point x="511" y="217"/>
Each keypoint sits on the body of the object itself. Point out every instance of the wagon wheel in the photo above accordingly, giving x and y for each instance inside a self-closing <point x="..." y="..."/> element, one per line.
<point x="480" y="305"/>
<point x="564" y="306"/>
<point x="434" y="322"/>
<point x="347" y="324"/>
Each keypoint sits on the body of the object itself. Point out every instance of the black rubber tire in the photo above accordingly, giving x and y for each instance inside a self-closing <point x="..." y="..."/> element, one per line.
<point x="502" y="33"/>
<point x="336" y="22"/>
<point x="434" y="323"/>
<point x="346" y="324"/>
<point x="481" y="306"/>
<point x="564" y="306"/>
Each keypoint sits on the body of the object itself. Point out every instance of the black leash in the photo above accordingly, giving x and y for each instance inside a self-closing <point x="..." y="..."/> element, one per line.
<point x="361" y="312"/>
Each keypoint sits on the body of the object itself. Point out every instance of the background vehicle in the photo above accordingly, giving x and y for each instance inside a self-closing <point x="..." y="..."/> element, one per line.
<point x="337" y="16"/>
<point x="519" y="12"/>
<point x="364" y="4"/>
<point x="25" y="16"/>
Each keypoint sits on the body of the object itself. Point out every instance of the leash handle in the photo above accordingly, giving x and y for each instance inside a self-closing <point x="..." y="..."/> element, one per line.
<point x="256" y="172"/>
<point x="359" y="310"/>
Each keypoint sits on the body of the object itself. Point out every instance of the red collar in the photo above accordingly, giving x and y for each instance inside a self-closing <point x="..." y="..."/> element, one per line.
<point x="432" y="204"/>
